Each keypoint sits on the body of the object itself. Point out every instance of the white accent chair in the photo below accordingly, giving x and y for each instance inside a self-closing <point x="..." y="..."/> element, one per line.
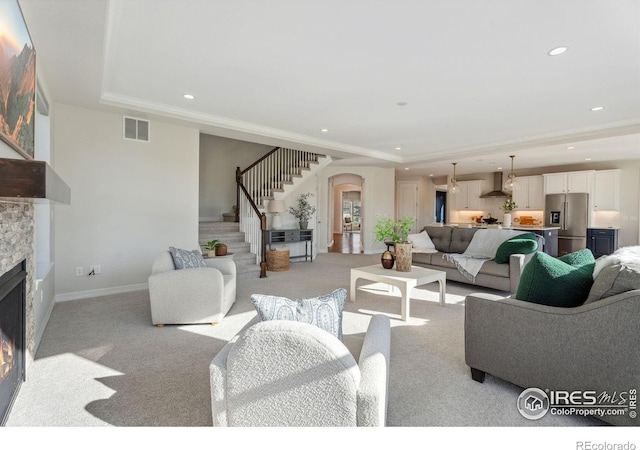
<point x="190" y="296"/>
<point x="287" y="373"/>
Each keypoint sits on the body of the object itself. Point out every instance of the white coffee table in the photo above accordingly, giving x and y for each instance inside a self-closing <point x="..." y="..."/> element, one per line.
<point x="405" y="281"/>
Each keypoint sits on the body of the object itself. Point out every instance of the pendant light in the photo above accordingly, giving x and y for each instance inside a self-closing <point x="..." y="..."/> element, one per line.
<point x="453" y="185"/>
<point x="511" y="184"/>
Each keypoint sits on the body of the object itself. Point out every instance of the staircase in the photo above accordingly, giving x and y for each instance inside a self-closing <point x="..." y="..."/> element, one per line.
<point x="229" y="233"/>
<point x="274" y="176"/>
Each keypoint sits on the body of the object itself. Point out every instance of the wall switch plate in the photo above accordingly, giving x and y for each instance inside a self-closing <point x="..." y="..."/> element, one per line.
<point x="95" y="269"/>
<point x="78" y="271"/>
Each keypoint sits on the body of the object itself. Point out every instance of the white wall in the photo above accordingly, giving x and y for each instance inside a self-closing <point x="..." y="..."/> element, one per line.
<point x="129" y="200"/>
<point x="219" y="158"/>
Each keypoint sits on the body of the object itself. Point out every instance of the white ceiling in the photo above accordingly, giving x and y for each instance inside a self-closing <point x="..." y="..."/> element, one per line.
<point x="475" y="75"/>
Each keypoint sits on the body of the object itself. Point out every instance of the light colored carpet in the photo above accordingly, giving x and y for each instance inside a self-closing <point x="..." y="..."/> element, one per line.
<point x="102" y="363"/>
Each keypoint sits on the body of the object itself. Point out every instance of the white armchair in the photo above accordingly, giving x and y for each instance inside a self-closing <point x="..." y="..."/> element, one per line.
<point x="287" y="373"/>
<point x="188" y="296"/>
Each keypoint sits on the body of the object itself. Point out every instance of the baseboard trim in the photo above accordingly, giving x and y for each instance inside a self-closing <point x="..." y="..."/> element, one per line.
<point x="80" y="295"/>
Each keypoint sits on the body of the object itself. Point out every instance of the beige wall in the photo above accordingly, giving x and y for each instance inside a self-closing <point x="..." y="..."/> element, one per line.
<point x="129" y="200"/>
<point x="378" y="199"/>
<point x="219" y="158"/>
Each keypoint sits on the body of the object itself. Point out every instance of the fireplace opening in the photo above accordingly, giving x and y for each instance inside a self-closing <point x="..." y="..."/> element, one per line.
<point x="12" y="336"/>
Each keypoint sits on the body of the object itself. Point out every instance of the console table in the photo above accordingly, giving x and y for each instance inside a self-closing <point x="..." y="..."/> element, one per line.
<point x="289" y="236"/>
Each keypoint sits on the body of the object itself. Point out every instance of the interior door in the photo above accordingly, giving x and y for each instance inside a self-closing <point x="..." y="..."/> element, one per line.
<point x="407" y="201"/>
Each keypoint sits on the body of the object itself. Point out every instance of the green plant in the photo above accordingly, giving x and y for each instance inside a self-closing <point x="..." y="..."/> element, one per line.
<point x="303" y="209"/>
<point x="212" y="245"/>
<point x="387" y="229"/>
<point x="508" y="205"/>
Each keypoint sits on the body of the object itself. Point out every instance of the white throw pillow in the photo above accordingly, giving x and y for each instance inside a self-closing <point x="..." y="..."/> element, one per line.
<point x="623" y="255"/>
<point x="422" y="241"/>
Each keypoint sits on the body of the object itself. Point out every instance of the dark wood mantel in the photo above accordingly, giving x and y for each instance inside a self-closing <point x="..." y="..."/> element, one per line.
<point x="29" y="180"/>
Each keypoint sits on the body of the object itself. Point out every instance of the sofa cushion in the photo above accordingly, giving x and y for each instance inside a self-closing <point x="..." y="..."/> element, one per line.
<point x="439" y="260"/>
<point x="613" y="280"/>
<point x="441" y="237"/>
<point x="422" y="257"/>
<point x="324" y="311"/>
<point x="186" y="259"/>
<point x="460" y="239"/>
<point x="421" y="241"/>
<point x="563" y="281"/>
<point x="525" y="243"/>
<point x="493" y="268"/>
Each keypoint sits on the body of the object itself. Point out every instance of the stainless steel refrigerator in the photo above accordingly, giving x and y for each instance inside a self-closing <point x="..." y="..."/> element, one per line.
<point x="570" y="212"/>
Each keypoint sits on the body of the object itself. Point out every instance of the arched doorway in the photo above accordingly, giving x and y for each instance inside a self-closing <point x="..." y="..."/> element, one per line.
<point x="346" y="221"/>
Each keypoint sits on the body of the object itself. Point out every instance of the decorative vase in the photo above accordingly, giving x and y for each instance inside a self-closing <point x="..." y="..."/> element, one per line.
<point x="303" y="225"/>
<point x="221" y="250"/>
<point x="387" y="259"/>
<point x="211" y="253"/>
<point x="507" y="220"/>
<point x="403" y="256"/>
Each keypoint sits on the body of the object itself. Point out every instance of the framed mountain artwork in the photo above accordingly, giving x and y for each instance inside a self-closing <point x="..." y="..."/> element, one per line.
<point x="17" y="80"/>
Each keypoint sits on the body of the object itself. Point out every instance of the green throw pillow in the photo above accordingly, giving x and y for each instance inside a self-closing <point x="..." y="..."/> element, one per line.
<point x="582" y="258"/>
<point x="523" y="243"/>
<point x="563" y="281"/>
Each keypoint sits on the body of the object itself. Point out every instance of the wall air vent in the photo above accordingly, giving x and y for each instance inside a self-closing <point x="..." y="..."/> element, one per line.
<point x="136" y="129"/>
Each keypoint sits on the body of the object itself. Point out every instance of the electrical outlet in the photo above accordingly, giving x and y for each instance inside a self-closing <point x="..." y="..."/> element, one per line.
<point x="96" y="269"/>
<point x="79" y="271"/>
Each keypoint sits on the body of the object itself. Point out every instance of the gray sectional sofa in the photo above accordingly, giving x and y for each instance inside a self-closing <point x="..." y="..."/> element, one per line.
<point x="592" y="347"/>
<point x="504" y="277"/>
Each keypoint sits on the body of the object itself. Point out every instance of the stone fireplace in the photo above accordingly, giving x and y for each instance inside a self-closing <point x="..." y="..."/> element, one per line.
<point x="17" y="249"/>
<point x="12" y="336"/>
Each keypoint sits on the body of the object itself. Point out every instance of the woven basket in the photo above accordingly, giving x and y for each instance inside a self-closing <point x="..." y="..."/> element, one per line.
<point x="278" y="260"/>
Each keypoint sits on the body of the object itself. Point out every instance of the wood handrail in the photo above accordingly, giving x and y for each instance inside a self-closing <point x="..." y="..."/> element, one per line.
<point x="263" y="220"/>
<point x="259" y="161"/>
<point x="294" y="159"/>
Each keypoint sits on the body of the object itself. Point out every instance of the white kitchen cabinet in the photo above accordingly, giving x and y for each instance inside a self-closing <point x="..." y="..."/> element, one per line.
<point x="566" y="182"/>
<point x="531" y="193"/>
<point x="606" y="190"/>
<point x="469" y="196"/>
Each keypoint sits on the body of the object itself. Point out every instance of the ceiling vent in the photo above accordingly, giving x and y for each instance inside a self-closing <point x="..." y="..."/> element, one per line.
<point x="136" y="129"/>
<point x="497" y="188"/>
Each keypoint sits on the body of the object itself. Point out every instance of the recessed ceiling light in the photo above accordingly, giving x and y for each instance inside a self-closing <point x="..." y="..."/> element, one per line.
<point x="499" y="168"/>
<point x="587" y="159"/>
<point x="401" y="103"/>
<point x="557" y="51"/>
<point x="571" y="147"/>
<point x="188" y="96"/>
<point x="324" y="130"/>
<point x="398" y="148"/>
<point x="430" y="174"/>
<point x="406" y="168"/>
<point x="597" y="108"/>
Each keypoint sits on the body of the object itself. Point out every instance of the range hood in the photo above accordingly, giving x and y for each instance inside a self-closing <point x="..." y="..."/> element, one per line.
<point x="497" y="188"/>
<point x="31" y="181"/>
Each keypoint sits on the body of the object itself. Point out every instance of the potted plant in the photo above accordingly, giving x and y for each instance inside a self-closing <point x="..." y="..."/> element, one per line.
<point x="508" y="206"/>
<point x="215" y="248"/>
<point x="396" y="232"/>
<point x="303" y="210"/>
